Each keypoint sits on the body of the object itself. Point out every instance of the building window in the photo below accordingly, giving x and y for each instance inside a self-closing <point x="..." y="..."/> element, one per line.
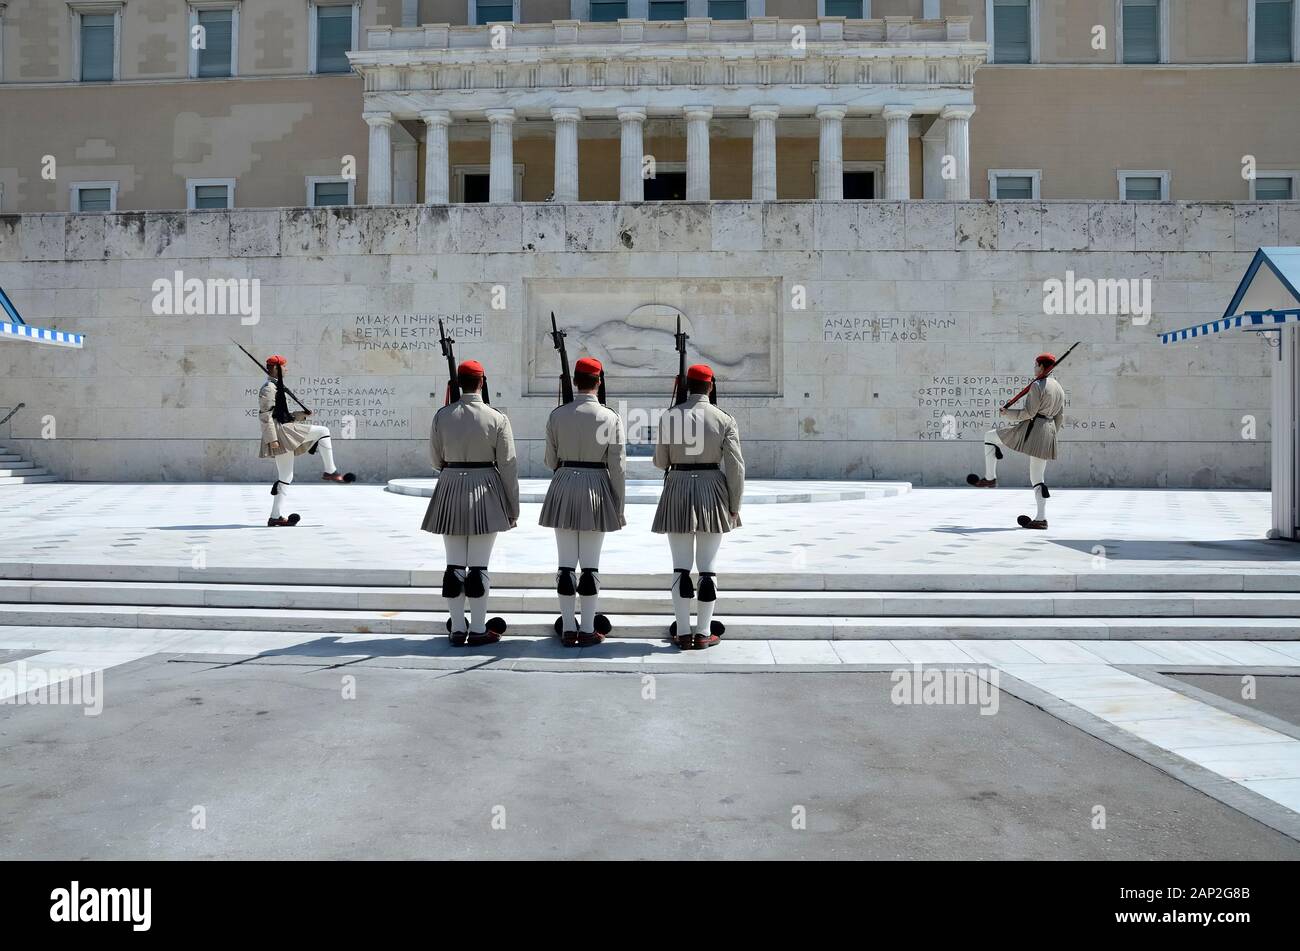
<point x="499" y="11"/>
<point x="860" y="179"/>
<point x="668" y="183"/>
<point x="1271" y="32"/>
<point x="94" y="196"/>
<point x="1274" y="186"/>
<point x="604" y="11"/>
<point x="208" y="193"/>
<point x="1013" y="29"/>
<point x="470" y="184"/>
<point x="98" y="27"/>
<point x="334" y="32"/>
<point x="1143" y="31"/>
<point x="219" y="35"/>
<point x="1014" y="184"/>
<point x="667" y="9"/>
<point x="853" y="9"/>
<point x="1143" y="185"/>
<point x="727" y="9"/>
<point x="324" y="191"/>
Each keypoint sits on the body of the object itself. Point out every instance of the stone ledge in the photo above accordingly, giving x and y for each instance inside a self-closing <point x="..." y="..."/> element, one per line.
<point x="679" y="227"/>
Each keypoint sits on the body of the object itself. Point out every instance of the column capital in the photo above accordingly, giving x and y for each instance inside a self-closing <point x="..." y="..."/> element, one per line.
<point x="500" y="115"/>
<point x="436" y="117"/>
<point x="896" y="112"/>
<point x="377" y="119"/>
<point x="698" y="112"/>
<point x="631" y="113"/>
<point x="566" y="113"/>
<point x="832" y="112"/>
<point x="764" y="112"/>
<point x="957" y="112"/>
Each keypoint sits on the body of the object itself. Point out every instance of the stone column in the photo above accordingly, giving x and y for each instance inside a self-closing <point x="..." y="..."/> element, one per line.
<point x="379" y="171"/>
<point x="958" y="118"/>
<point x="631" y="186"/>
<point x="697" y="152"/>
<point x="898" y="180"/>
<point x="501" y="170"/>
<point x="764" y="180"/>
<point x="437" y="175"/>
<point x="566" y="153"/>
<point x="830" y="153"/>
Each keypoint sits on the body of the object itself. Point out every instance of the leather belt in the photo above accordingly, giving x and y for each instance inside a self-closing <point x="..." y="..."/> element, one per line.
<point x="692" y="466"/>
<point x="565" y="464"/>
<point x="470" y="465"/>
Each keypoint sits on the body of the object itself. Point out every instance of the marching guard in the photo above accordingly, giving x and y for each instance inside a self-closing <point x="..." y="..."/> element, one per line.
<point x="586" y="449"/>
<point x="698" y="446"/>
<point x="1033" y="432"/>
<point x="477" y="496"/>
<point x="285" y="436"/>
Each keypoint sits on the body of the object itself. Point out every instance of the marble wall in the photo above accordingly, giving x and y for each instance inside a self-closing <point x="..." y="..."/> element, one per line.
<point x="859" y="340"/>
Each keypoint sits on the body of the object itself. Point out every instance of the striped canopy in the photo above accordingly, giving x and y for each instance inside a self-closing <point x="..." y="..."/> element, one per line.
<point x="1266" y="299"/>
<point x="15" y="328"/>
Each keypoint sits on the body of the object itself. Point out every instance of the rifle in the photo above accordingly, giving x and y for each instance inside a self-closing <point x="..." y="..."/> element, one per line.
<point x="566" y="378"/>
<point x="453" y="384"/>
<point x="1015" y="399"/>
<point x="679" y="385"/>
<point x="287" y="392"/>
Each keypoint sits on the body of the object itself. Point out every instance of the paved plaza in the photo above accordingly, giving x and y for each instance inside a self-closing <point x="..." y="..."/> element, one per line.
<point x="241" y="666"/>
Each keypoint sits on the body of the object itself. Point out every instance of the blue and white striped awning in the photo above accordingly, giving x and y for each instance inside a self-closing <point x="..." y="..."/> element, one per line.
<point x="56" y="338"/>
<point x="1259" y="320"/>
<point x="15" y="328"/>
<point x="1266" y="299"/>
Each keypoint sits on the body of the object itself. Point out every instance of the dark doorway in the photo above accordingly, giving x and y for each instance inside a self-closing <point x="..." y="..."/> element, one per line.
<point x="861" y="185"/>
<point x="666" y="186"/>
<point x="476" y="188"/>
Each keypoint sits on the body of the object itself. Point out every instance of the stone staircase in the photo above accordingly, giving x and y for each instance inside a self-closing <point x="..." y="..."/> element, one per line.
<point x="1224" y="605"/>
<point x="14" y="470"/>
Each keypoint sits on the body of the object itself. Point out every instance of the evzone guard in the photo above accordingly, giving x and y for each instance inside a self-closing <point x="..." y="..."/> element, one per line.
<point x="586" y="449"/>
<point x="1033" y="432"/>
<point x="477" y="496"/>
<point x="285" y="436"/>
<point x="698" y="446"/>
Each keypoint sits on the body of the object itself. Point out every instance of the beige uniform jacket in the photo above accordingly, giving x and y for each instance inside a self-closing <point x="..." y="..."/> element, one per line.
<point x="1031" y="434"/>
<point x="470" y="430"/>
<point x="697" y="432"/>
<point x="586" y="431"/>
<point x="293" y="437"/>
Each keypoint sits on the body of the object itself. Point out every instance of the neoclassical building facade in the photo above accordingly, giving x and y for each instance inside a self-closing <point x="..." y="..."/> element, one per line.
<point x="905" y="83"/>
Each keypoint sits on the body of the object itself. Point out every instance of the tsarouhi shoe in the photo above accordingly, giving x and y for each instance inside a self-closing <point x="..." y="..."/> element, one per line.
<point x="979" y="483"/>
<point x="569" y="639"/>
<point x="703" y="641"/>
<point x="1026" y="522"/>
<point x="487" y="637"/>
<point x="590" y="640"/>
<point x="457" y="638"/>
<point x="338" y="477"/>
<point x="283" y="522"/>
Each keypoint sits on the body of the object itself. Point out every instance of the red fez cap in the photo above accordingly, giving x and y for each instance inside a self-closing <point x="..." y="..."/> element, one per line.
<point x="700" y="371"/>
<point x="1045" y="358"/>
<point x="588" y="365"/>
<point x="470" y="368"/>
<point x="276" y="361"/>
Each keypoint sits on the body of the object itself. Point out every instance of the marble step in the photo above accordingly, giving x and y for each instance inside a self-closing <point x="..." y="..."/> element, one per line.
<point x="650" y="601"/>
<point x="1282" y="579"/>
<point x="12" y="469"/>
<point x="8" y="457"/>
<point x="39" y="475"/>
<point x="652" y="625"/>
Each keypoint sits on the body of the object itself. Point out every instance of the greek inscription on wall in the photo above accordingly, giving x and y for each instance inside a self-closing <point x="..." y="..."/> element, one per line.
<point x="409" y="331"/>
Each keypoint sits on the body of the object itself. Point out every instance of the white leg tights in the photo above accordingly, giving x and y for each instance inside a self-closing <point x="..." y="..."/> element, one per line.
<point x="575" y="550"/>
<point x="284" y="474"/>
<point x="472" y="551"/>
<point x="700" y="549"/>
<point x="991" y="445"/>
<point x="1037" y="475"/>
<point x="324" y="448"/>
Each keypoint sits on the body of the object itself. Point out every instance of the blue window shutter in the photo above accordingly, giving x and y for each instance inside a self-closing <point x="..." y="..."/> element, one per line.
<point x="97" y="47"/>
<point x="1141" y="31"/>
<point x="1273" y="19"/>
<point x="333" y="39"/>
<point x="1011" y="31"/>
